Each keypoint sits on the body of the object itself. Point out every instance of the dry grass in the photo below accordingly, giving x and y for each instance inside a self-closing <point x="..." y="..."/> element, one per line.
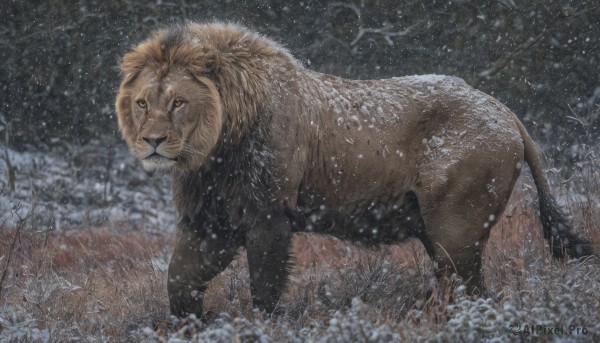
<point x="103" y="284"/>
<point x="92" y="285"/>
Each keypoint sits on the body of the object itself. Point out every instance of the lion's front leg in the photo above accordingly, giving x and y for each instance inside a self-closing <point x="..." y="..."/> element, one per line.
<point x="200" y="254"/>
<point x="268" y="246"/>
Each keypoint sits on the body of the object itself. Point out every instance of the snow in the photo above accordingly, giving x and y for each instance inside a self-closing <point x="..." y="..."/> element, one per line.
<point x="21" y="328"/>
<point x="80" y="186"/>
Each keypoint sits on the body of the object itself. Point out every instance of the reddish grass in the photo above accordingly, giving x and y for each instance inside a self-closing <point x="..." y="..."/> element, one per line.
<point x="66" y="250"/>
<point x="109" y="284"/>
<point x="94" y="283"/>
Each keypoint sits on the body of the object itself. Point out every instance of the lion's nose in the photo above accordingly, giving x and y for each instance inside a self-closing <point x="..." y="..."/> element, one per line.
<point x="154" y="142"/>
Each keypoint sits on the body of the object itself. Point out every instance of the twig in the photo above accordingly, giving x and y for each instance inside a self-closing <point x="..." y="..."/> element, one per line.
<point x="9" y="166"/>
<point x="450" y="258"/>
<point x="385" y="32"/>
<point x="20" y="225"/>
<point x="578" y="119"/>
<point x="11" y="172"/>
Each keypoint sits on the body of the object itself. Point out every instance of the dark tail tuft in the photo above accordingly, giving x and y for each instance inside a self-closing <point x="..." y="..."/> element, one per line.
<point x="558" y="231"/>
<point x="557" y="228"/>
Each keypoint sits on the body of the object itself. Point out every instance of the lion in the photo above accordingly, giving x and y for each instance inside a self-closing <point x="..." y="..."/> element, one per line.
<point x="260" y="148"/>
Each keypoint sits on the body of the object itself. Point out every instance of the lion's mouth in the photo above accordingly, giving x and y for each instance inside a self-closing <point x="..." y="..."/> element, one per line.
<point x="157" y="162"/>
<point x="156" y="155"/>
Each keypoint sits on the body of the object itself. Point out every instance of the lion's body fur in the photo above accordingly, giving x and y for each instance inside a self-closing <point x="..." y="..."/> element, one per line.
<point x="283" y="149"/>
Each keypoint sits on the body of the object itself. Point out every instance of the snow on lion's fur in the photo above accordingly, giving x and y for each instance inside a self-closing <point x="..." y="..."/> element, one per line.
<point x="260" y="147"/>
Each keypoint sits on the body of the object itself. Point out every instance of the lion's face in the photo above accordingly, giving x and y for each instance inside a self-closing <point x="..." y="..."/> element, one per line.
<point x="169" y="121"/>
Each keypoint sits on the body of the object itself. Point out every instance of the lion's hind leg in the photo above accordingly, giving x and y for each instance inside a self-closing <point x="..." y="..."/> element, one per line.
<point x="462" y="195"/>
<point x="458" y="224"/>
<point x="457" y="246"/>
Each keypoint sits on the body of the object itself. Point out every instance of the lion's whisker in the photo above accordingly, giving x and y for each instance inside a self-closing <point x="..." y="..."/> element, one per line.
<point x="192" y="151"/>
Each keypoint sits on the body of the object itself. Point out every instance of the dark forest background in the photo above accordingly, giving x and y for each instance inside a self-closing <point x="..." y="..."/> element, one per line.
<point x="58" y="58"/>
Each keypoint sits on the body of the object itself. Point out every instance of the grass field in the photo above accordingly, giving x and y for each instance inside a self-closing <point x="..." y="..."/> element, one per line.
<point x="99" y="284"/>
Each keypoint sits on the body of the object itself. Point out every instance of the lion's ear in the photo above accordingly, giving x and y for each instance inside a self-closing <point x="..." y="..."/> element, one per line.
<point x="131" y="65"/>
<point x="207" y="65"/>
<point x="212" y="63"/>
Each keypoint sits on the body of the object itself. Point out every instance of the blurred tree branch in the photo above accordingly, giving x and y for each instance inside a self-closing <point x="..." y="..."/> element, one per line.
<point x="387" y="33"/>
<point x="510" y="56"/>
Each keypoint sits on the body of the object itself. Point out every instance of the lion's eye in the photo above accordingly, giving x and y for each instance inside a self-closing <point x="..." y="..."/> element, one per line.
<point x="177" y="103"/>
<point x="142" y="103"/>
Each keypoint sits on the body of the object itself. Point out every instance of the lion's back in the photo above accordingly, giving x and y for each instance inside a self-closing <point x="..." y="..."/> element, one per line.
<point x="403" y="125"/>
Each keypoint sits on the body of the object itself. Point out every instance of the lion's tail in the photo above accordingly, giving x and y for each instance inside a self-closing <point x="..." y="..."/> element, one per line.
<point x="557" y="228"/>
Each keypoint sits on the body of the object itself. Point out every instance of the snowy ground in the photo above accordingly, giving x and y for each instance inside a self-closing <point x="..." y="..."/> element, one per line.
<point x="84" y="186"/>
<point x="95" y="279"/>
